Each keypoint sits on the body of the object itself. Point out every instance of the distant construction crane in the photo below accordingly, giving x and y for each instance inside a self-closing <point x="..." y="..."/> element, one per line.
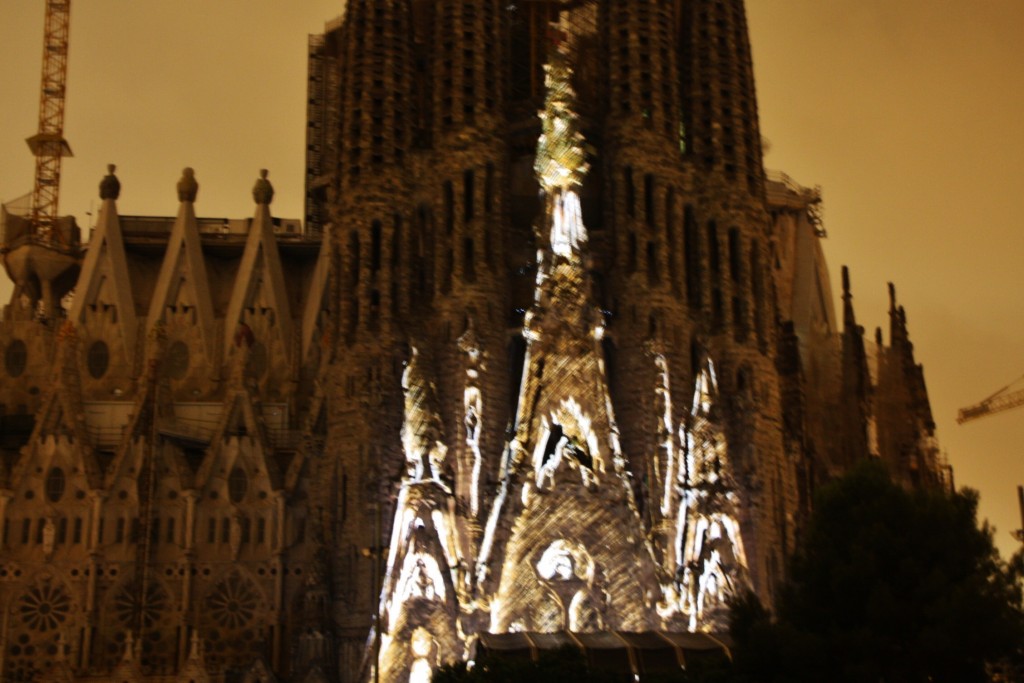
<point x="1004" y="399"/>
<point x="48" y="144"/>
<point x="41" y="250"/>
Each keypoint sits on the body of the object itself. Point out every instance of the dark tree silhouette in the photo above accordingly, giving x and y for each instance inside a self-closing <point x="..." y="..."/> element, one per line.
<point x="888" y="585"/>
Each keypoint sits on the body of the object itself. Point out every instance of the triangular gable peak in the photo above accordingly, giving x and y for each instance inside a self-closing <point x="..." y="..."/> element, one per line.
<point x="105" y="286"/>
<point x="240" y="434"/>
<point x="152" y="410"/>
<point x="260" y="286"/>
<point x="61" y="416"/>
<point x="182" y="286"/>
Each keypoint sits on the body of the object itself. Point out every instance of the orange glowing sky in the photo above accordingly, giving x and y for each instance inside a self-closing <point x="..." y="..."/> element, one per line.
<point x="910" y="114"/>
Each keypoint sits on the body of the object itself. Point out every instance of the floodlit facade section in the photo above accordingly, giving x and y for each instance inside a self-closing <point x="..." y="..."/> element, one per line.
<point x="515" y="381"/>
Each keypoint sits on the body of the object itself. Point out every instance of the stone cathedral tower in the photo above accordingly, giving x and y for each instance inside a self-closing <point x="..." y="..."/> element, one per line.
<point x="550" y="358"/>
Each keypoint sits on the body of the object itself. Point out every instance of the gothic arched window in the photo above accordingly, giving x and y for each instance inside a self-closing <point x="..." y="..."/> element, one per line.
<point x="98" y="359"/>
<point x="16" y="358"/>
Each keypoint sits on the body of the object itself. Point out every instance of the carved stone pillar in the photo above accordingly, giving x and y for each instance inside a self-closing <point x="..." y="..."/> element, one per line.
<point x="190" y="519"/>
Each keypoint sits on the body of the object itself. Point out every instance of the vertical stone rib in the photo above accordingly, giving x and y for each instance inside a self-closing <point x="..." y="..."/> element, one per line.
<point x="464" y="184"/>
<point x="643" y="160"/>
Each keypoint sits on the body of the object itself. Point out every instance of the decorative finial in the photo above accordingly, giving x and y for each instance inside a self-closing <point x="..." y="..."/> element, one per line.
<point x="263" y="191"/>
<point x="129" y="647"/>
<point x="110" y="186"/>
<point x="195" y="646"/>
<point x="188" y="188"/>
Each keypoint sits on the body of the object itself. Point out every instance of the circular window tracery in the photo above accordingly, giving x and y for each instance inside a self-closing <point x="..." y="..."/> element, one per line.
<point x="45" y="607"/>
<point x="233" y="621"/>
<point x="128" y="607"/>
<point x="98" y="359"/>
<point x="233" y="602"/>
<point x="16" y="358"/>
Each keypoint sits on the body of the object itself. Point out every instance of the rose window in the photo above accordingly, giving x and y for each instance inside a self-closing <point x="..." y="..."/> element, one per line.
<point x="233" y="602"/>
<point x="128" y="606"/>
<point x="45" y="607"/>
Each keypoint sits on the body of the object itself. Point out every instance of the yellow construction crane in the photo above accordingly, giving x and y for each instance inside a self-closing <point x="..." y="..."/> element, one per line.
<point x="41" y="250"/>
<point x="1004" y="399"/>
<point x="48" y="144"/>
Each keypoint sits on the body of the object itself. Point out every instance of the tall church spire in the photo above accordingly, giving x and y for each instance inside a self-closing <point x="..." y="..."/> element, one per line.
<point x="566" y="511"/>
<point x="718" y="100"/>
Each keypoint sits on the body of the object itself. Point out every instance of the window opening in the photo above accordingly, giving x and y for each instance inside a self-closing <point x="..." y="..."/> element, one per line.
<point x="238" y="485"/>
<point x="55" y="484"/>
<point x="449" y="207"/>
<point x="375" y="247"/>
<point x="468" y="208"/>
<point x="649" y="200"/>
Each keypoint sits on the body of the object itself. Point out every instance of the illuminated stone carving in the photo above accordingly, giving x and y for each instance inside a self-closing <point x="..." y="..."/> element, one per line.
<point x="714" y="564"/>
<point x="422" y="436"/>
<point x="473" y="408"/>
<point x="565" y="515"/>
<point x="228" y="449"/>
<point x="419" y="609"/>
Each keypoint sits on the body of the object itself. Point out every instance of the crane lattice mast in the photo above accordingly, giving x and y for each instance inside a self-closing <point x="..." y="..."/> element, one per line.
<point x="1004" y="399"/>
<point x="48" y="144"/>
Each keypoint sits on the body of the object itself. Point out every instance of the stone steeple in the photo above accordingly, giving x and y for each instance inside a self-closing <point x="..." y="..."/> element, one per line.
<point x="855" y="392"/>
<point x="719" y="103"/>
<point x="566" y="510"/>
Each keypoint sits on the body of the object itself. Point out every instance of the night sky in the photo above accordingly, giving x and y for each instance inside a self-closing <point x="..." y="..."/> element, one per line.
<point x="910" y="114"/>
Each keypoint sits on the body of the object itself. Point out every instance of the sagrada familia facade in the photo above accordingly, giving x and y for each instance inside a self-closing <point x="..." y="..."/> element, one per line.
<point x="576" y="372"/>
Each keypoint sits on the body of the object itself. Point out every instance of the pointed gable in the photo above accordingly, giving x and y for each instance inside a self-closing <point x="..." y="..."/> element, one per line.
<point x="183" y="285"/>
<point x="104" y="282"/>
<point x="260" y="282"/>
<point x="61" y="414"/>
<point x="242" y="417"/>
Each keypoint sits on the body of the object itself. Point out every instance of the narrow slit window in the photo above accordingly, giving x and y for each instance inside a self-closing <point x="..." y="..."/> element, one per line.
<point x="449" y="207"/>
<point x="489" y="189"/>
<point x="468" y="260"/>
<point x="627" y="179"/>
<point x="375" y="246"/>
<point x="649" y="200"/>
<point x="468" y="190"/>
